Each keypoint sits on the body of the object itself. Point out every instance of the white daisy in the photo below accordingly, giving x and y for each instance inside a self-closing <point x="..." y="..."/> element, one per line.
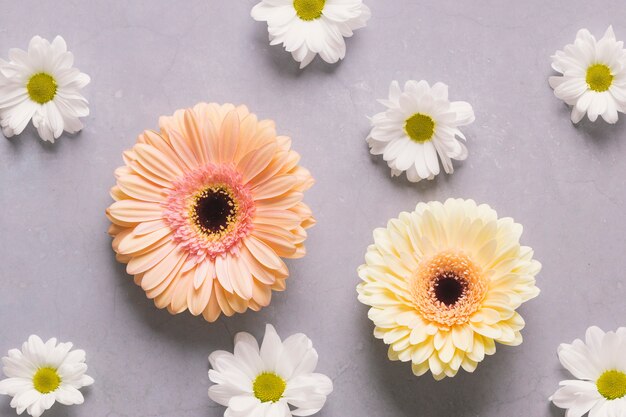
<point x="310" y="27"/>
<point x="419" y="124"/>
<point x="594" y="76"/>
<point x="42" y="85"/>
<point x="42" y="373"/>
<point x="599" y="364"/>
<point x="255" y="382"/>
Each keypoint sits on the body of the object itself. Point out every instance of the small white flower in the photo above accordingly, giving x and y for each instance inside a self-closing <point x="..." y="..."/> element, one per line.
<point x="42" y="373"/>
<point x="419" y="124"/>
<point x="594" y="76"/>
<point x="599" y="364"/>
<point x="310" y="27"/>
<point x="267" y="381"/>
<point x="42" y="85"/>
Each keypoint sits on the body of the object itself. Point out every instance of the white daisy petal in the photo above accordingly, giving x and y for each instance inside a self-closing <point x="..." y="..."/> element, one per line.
<point x="43" y="373"/>
<point x="418" y="129"/>
<point x="598" y="363"/>
<point x="31" y="85"/>
<point x="283" y="377"/>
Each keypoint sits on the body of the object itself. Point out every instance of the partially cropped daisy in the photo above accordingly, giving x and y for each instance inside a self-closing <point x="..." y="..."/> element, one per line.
<point x="310" y="27"/>
<point x="444" y="283"/>
<point x="599" y="366"/>
<point x="419" y="127"/>
<point x="594" y="76"/>
<point x="41" y="85"/>
<point x="207" y="207"/>
<point x="44" y="373"/>
<point x="275" y="380"/>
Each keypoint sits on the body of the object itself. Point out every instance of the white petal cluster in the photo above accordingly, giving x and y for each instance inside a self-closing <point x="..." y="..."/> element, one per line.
<point x="42" y="85"/>
<point x="593" y="79"/>
<point x="305" y="37"/>
<point x="291" y="362"/>
<point x="66" y="366"/>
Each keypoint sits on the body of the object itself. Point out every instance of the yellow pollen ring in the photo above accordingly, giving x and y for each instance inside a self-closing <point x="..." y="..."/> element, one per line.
<point x="599" y="77"/>
<point x="230" y="218"/>
<point x="268" y="387"/>
<point x="447" y="266"/>
<point x="41" y="88"/>
<point x="309" y="9"/>
<point x="46" y="380"/>
<point x="420" y="128"/>
<point x="612" y="385"/>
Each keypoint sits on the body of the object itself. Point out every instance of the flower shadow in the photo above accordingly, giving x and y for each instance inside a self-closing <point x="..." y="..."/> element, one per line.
<point x="184" y="329"/>
<point x="600" y="132"/>
<point x="283" y="62"/>
<point x="465" y="395"/>
<point x="424" y="187"/>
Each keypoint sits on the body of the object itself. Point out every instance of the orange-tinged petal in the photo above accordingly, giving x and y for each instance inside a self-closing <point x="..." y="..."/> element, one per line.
<point x="170" y="264"/>
<point x="221" y="270"/>
<point x="135" y="243"/>
<point x="213" y="310"/>
<point x="229" y="135"/>
<point x="149" y="259"/>
<point x="197" y="299"/>
<point x="135" y="211"/>
<point x="256" y="161"/>
<point x="240" y="277"/>
<point x="263" y="253"/>
<point x="274" y="187"/>
<point x="157" y="163"/>
<point x="137" y="187"/>
<point x="204" y="271"/>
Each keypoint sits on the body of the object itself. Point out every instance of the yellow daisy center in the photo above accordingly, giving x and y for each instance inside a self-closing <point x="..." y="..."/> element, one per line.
<point x="41" y="88"/>
<point x="599" y="77"/>
<point x="46" y="380"/>
<point x="268" y="387"/>
<point x="612" y="385"/>
<point x="309" y="9"/>
<point x="448" y="288"/>
<point x="420" y="127"/>
<point x="214" y="211"/>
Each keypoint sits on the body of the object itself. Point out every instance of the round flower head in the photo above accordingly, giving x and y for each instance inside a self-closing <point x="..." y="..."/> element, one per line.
<point x="43" y="373"/>
<point x="419" y="124"/>
<point x="41" y="85"/>
<point x="207" y="207"/>
<point x="310" y="27"/>
<point x="267" y="381"/>
<point x="599" y="366"/>
<point x="443" y="283"/>
<point x="594" y="76"/>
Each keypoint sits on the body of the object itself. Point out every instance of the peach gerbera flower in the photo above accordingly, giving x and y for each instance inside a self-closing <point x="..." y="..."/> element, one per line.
<point x="206" y="208"/>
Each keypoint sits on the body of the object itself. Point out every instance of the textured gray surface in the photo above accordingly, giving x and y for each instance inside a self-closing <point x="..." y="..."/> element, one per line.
<point x="58" y="276"/>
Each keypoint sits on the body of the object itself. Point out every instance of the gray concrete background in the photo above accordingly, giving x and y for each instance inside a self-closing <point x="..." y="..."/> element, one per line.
<point x="565" y="184"/>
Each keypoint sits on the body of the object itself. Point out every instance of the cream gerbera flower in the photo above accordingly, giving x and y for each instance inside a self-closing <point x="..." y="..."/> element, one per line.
<point x="41" y="85"/>
<point x="599" y="364"/>
<point x="267" y="381"/>
<point x="594" y="76"/>
<point x="444" y="282"/>
<point x="43" y="373"/>
<point x="206" y="208"/>
<point x="310" y="27"/>
<point x="419" y="124"/>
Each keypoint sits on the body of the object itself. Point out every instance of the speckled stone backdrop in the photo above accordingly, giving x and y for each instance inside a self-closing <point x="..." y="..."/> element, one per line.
<point x="58" y="275"/>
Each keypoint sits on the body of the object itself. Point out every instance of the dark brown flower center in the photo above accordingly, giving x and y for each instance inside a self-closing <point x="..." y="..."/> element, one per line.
<point x="449" y="288"/>
<point x="215" y="210"/>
